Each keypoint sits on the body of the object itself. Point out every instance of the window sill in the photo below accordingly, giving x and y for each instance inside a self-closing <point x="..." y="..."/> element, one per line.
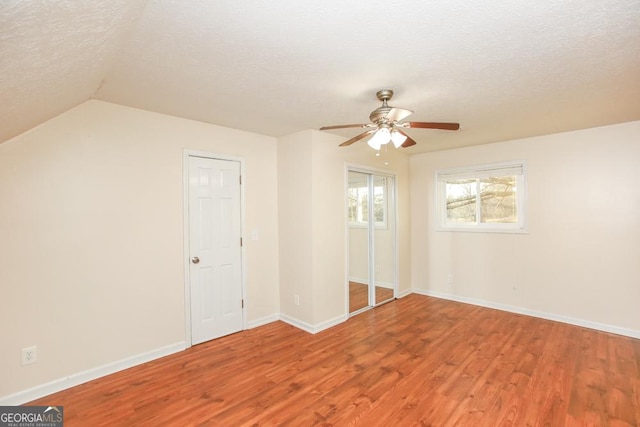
<point x="483" y="230"/>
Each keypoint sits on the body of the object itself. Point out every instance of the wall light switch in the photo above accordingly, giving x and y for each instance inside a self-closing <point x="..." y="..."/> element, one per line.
<point x="254" y="234"/>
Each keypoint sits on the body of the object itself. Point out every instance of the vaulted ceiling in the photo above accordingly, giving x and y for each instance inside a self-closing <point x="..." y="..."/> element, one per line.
<point x="502" y="69"/>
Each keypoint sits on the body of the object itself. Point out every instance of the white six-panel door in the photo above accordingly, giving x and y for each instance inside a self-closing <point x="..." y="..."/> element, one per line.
<point x="215" y="248"/>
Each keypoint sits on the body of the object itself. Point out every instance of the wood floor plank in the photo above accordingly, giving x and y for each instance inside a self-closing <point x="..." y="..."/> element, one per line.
<point x="414" y="361"/>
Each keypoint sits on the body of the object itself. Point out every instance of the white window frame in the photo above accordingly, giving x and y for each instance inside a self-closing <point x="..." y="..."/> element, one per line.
<point x="512" y="168"/>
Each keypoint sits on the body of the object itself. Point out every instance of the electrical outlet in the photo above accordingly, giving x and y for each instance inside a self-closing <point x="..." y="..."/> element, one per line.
<point x="29" y="355"/>
<point x="450" y="279"/>
<point x="296" y="299"/>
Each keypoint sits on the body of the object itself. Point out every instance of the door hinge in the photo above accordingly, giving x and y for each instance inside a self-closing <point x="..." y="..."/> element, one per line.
<point x="241" y="241"/>
<point x="242" y="303"/>
<point x="240" y="179"/>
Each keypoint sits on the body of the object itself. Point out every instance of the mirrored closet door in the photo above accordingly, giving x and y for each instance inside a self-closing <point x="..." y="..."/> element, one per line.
<point x="372" y="240"/>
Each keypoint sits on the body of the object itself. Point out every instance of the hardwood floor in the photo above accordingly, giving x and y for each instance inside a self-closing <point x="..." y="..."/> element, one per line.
<point x="414" y="361"/>
<point x="359" y="297"/>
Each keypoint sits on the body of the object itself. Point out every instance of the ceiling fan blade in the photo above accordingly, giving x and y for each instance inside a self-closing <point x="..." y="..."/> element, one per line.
<point x="431" y="125"/>
<point x="357" y="138"/>
<point x="409" y="142"/>
<point x="397" y="114"/>
<point x="342" y="127"/>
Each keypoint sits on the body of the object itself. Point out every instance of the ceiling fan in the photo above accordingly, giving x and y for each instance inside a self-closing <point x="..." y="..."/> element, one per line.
<point x="386" y="125"/>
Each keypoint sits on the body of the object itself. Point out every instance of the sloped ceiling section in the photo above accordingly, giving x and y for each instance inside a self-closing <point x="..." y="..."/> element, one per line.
<point x="55" y="54"/>
<point x="503" y="70"/>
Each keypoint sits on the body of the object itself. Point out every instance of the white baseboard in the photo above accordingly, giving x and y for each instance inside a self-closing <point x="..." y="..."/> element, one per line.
<point x="402" y="294"/>
<point x="330" y="323"/>
<point x="541" y="314"/>
<point x="313" y="329"/>
<point x="72" y="380"/>
<point x="307" y="327"/>
<point x="263" y="321"/>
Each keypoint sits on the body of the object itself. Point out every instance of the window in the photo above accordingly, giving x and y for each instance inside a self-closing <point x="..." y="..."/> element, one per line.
<point x="358" y="199"/>
<point x="482" y="198"/>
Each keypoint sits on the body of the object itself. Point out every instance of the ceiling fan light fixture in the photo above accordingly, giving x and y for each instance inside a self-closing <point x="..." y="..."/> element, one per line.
<point x="374" y="143"/>
<point x="384" y="135"/>
<point x="380" y="138"/>
<point x="397" y="138"/>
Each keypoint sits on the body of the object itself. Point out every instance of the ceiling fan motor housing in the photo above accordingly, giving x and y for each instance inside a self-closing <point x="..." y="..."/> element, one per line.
<point x="379" y="115"/>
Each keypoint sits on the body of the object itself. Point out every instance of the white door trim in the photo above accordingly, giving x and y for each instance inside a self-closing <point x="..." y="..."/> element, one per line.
<point x="186" y="153"/>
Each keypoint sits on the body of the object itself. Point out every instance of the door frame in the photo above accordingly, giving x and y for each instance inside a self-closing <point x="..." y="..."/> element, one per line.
<point x="352" y="167"/>
<point x="186" y="261"/>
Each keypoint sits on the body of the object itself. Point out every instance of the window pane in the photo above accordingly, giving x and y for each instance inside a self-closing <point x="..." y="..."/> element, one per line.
<point x="461" y="201"/>
<point x="498" y="199"/>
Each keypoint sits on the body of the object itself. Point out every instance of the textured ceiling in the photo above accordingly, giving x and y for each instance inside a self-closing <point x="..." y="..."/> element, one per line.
<point x="502" y="69"/>
<point x="55" y="54"/>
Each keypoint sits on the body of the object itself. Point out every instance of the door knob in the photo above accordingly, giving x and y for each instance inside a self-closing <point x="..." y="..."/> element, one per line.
<point x="195" y="260"/>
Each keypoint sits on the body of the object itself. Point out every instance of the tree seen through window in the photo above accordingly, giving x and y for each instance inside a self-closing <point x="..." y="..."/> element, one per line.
<point x="492" y="198"/>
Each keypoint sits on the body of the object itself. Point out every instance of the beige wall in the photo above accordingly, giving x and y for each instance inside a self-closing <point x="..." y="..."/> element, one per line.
<point x="91" y="246"/>
<point x="581" y="257"/>
<point x="295" y="217"/>
<point x="322" y="221"/>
